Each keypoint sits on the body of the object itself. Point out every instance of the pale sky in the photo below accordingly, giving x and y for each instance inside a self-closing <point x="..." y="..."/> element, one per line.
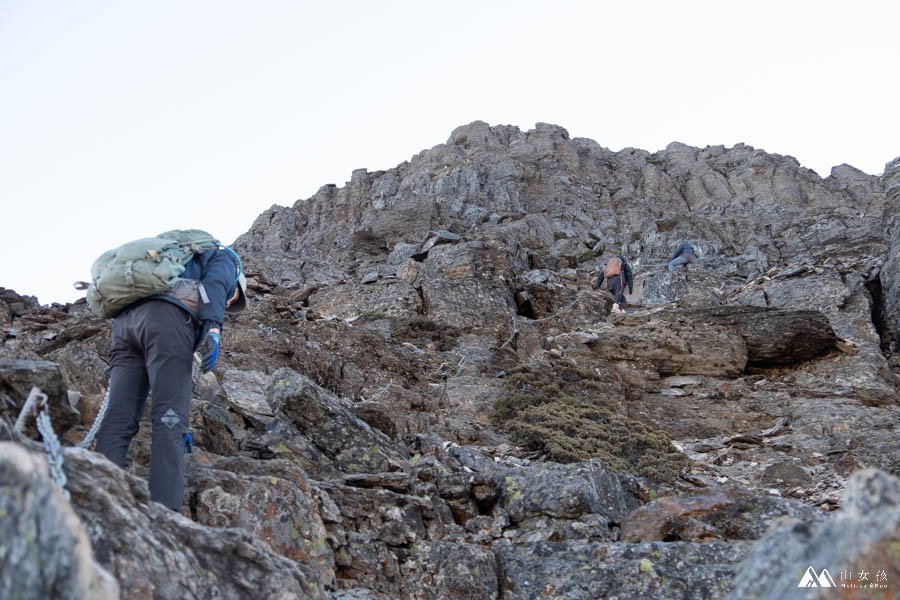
<point x="120" y="120"/>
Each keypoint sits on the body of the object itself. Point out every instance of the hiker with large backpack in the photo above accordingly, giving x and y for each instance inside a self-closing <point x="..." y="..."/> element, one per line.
<point x="685" y="253"/>
<point x="618" y="275"/>
<point x="168" y="296"/>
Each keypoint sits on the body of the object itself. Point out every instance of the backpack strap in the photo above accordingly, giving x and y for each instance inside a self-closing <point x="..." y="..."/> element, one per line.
<point x="237" y="261"/>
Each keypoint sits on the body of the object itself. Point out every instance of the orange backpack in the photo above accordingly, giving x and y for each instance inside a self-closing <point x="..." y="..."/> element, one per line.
<point x="613" y="267"/>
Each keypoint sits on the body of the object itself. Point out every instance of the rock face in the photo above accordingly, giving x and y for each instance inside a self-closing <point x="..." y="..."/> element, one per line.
<point x="17" y="377"/>
<point x="155" y="553"/>
<point x="587" y="570"/>
<point x="890" y="273"/>
<point x="861" y="538"/>
<point x="330" y="424"/>
<point x="426" y="398"/>
<point x="46" y="552"/>
<point x="772" y="337"/>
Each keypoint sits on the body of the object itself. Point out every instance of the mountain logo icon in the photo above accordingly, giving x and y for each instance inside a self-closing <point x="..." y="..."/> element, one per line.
<point x="811" y="580"/>
<point x="170" y="419"/>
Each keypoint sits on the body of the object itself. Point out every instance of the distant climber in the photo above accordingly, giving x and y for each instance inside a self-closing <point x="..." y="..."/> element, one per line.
<point x="618" y="275"/>
<point x="684" y="253"/>
<point x="151" y="350"/>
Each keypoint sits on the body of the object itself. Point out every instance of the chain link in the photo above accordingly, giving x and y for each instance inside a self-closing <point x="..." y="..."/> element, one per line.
<point x="37" y="403"/>
<point x="98" y="420"/>
<point x="35" y="399"/>
<point x="53" y="450"/>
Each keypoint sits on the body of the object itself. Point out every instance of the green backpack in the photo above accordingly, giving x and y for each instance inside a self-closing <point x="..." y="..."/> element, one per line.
<point x="143" y="268"/>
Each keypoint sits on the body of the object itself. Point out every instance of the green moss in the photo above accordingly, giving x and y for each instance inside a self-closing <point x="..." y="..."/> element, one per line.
<point x="511" y="489"/>
<point x="564" y="412"/>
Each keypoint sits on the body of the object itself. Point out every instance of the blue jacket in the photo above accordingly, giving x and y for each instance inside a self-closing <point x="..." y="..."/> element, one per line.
<point x="218" y="271"/>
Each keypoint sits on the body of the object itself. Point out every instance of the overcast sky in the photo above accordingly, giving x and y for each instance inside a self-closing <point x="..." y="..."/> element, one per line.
<point x="121" y="120"/>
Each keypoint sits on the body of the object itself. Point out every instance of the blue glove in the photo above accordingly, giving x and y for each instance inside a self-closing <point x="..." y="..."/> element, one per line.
<point x="209" y="351"/>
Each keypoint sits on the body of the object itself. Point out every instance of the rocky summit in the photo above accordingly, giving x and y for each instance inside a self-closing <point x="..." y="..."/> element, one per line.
<point x="426" y="398"/>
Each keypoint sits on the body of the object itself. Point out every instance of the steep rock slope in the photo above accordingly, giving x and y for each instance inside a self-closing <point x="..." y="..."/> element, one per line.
<point x="427" y="399"/>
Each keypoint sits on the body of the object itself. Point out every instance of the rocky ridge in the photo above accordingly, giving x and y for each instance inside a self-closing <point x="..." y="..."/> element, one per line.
<point x="426" y="399"/>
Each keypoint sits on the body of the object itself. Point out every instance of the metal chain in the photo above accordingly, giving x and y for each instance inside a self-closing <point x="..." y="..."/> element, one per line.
<point x="98" y="420"/>
<point x="35" y="399"/>
<point x="53" y="450"/>
<point x="37" y="402"/>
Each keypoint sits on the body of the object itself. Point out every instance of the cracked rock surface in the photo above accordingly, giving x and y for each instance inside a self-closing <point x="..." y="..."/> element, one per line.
<point x="426" y="398"/>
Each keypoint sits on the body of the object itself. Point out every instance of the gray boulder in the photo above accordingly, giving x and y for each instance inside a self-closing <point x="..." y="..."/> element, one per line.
<point x="690" y="289"/>
<point x="330" y="424"/>
<point x="862" y="536"/>
<point x="45" y="552"/>
<point x="445" y="570"/>
<point x="156" y="553"/>
<point x="675" y="347"/>
<point x="591" y="570"/>
<point x="17" y="377"/>
<point x="273" y="501"/>
<point x="564" y="491"/>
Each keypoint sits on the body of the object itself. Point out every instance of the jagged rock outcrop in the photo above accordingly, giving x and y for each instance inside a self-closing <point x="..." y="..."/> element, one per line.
<point x="425" y="397"/>
<point x="17" y="377"/>
<point x="861" y="537"/>
<point x="273" y="501"/>
<point x="329" y="423"/>
<point x="155" y="553"/>
<point x="772" y="337"/>
<point x="45" y="552"/>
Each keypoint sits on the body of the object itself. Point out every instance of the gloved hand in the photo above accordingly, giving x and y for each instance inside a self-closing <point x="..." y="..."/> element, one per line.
<point x="209" y="351"/>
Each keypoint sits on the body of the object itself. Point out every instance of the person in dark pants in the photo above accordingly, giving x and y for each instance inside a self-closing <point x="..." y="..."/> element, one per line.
<point x="152" y="347"/>
<point x="684" y="253"/>
<point x="618" y="275"/>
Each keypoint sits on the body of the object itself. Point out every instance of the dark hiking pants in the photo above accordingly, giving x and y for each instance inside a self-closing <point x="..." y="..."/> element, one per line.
<point x="616" y="286"/>
<point x="151" y="350"/>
